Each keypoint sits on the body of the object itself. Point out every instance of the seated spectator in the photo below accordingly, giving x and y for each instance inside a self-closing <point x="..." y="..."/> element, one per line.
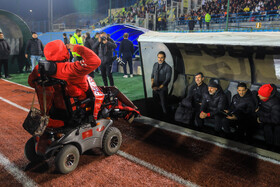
<point x="241" y="111"/>
<point x="213" y="103"/>
<point x="191" y="104"/>
<point x="268" y="113"/>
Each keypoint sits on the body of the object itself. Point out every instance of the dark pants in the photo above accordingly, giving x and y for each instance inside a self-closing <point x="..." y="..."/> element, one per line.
<point x="71" y="56"/>
<point x="244" y="125"/>
<point x="272" y="134"/>
<point x="5" y="63"/>
<point x="129" y="61"/>
<point x="218" y="121"/>
<point x="208" y="25"/>
<point x="106" y="70"/>
<point x="161" y="95"/>
<point x="77" y="58"/>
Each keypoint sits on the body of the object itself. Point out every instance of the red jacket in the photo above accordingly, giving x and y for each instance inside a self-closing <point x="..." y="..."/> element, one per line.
<point x="73" y="73"/>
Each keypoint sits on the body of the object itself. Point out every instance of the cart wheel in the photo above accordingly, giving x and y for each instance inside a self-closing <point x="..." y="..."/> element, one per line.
<point x="30" y="153"/>
<point x="67" y="159"/>
<point x="112" y="141"/>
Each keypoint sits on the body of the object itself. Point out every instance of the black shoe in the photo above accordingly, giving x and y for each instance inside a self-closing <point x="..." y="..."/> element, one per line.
<point x="1" y="77"/>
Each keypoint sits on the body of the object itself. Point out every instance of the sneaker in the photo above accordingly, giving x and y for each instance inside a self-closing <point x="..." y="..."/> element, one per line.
<point x="125" y="76"/>
<point x="131" y="75"/>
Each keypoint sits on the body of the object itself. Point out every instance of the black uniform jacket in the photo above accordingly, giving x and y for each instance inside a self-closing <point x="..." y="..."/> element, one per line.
<point x="161" y="74"/>
<point x="243" y="107"/>
<point x="34" y="47"/>
<point x="214" y="104"/>
<point x="269" y="111"/>
<point x="4" y="49"/>
<point x="196" y="92"/>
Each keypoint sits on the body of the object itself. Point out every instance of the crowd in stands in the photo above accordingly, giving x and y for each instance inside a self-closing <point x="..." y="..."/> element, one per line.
<point x="244" y="10"/>
<point x="140" y="10"/>
<point x="248" y="10"/>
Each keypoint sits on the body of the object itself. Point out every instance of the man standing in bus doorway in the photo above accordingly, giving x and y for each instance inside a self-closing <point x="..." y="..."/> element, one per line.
<point x="268" y="114"/>
<point x="161" y="76"/>
<point x="34" y="49"/>
<point x="4" y="55"/>
<point x="126" y="52"/>
<point x="77" y="39"/>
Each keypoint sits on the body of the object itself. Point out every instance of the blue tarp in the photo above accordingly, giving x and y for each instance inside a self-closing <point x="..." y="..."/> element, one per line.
<point x="117" y="30"/>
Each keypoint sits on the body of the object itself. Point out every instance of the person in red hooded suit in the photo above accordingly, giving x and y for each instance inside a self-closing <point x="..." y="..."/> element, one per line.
<point x="75" y="74"/>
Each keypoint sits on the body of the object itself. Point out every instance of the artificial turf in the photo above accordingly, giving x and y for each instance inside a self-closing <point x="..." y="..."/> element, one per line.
<point x="131" y="87"/>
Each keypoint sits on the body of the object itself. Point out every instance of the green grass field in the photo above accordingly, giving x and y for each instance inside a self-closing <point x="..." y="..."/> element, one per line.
<point x="131" y="87"/>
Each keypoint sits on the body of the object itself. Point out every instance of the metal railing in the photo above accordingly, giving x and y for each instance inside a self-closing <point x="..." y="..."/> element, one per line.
<point x="244" y="21"/>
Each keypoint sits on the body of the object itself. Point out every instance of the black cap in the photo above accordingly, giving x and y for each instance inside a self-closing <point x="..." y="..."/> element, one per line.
<point x="213" y="84"/>
<point x="33" y="32"/>
<point x="78" y="30"/>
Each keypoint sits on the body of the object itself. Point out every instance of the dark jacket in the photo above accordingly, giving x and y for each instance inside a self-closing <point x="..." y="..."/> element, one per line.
<point x="161" y="74"/>
<point x="243" y="107"/>
<point x="196" y="92"/>
<point x="4" y="49"/>
<point x="126" y="49"/>
<point x="214" y="104"/>
<point x="89" y="43"/>
<point x="269" y="111"/>
<point x="94" y="48"/>
<point x="34" y="47"/>
<point x="66" y="40"/>
<point x="105" y="51"/>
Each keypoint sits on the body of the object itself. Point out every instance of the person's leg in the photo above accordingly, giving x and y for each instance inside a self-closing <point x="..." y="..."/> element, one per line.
<point x="156" y="106"/>
<point x="109" y="74"/>
<point x="38" y="58"/>
<point x="225" y="123"/>
<point x="124" y="67"/>
<point x="218" y="123"/>
<point x="162" y="95"/>
<point x="103" y="74"/>
<point x="130" y="66"/>
<point x="33" y="61"/>
<point x="277" y="136"/>
<point x="268" y="134"/>
<point x="5" y="62"/>
<point x="1" y="68"/>
<point x="198" y="121"/>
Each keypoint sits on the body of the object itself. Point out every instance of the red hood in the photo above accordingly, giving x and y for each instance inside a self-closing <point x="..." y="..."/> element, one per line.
<point x="56" y="51"/>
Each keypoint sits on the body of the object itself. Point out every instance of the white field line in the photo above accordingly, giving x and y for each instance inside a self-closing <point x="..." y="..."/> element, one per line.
<point x="156" y="169"/>
<point x="16" y="172"/>
<point x="17" y="84"/>
<point x="14" y="104"/>
<point x="121" y="153"/>
<point x="235" y="149"/>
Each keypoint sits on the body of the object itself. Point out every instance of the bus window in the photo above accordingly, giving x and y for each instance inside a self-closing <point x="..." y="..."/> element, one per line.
<point x="267" y="70"/>
<point x="217" y="64"/>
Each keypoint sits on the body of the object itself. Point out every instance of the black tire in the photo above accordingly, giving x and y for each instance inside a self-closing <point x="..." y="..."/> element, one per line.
<point x="112" y="141"/>
<point x="67" y="159"/>
<point x="30" y="153"/>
